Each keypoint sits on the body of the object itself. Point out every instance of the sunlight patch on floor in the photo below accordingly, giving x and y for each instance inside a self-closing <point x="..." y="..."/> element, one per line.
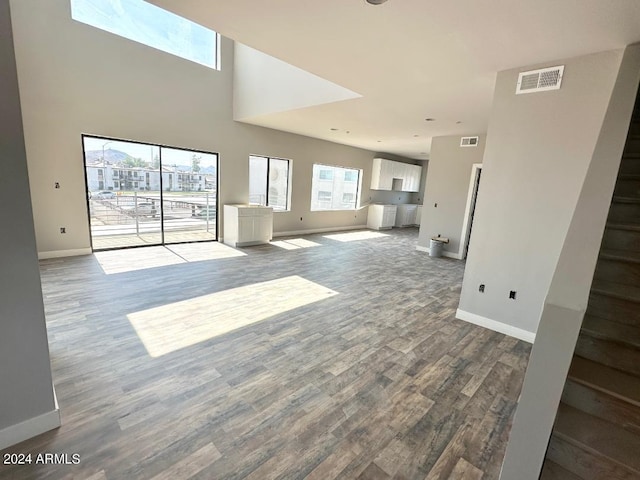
<point x="196" y="252"/>
<point x="353" y="236"/>
<point x="295" y="243"/>
<point x="171" y="327"/>
<point x="132" y="259"/>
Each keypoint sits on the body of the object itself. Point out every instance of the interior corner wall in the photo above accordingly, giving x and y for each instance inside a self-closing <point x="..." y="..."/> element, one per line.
<point x="25" y="373"/>
<point x="76" y="79"/>
<point x="539" y="147"/>
<point x="447" y="185"/>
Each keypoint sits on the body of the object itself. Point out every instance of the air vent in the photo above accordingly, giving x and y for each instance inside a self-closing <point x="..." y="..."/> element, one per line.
<point x="469" y="141"/>
<point x="540" y="80"/>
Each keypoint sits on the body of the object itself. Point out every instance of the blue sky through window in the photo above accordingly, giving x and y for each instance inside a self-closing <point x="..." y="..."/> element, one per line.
<point x="150" y="25"/>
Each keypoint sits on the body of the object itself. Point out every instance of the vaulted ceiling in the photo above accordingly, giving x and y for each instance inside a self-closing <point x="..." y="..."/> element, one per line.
<point x="411" y="59"/>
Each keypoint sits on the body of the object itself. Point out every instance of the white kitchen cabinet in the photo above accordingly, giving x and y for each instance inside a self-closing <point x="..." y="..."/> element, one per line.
<point x="406" y="215"/>
<point x="384" y="172"/>
<point x="415" y="174"/>
<point x="246" y="225"/>
<point x="418" y="214"/>
<point x="381" y="217"/>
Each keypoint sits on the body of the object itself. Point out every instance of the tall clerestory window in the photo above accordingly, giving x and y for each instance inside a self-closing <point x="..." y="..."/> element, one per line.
<point x="153" y="26"/>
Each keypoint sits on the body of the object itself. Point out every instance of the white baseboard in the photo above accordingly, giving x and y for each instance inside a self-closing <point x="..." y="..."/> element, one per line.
<point x="64" y="253"/>
<point x="29" y="428"/>
<point x="496" y="326"/>
<point x="319" y="230"/>
<point x="444" y="252"/>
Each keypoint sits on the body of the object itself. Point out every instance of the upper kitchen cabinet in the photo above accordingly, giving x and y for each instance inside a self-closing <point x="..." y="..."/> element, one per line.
<point x="390" y="175"/>
<point x="382" y="174"/>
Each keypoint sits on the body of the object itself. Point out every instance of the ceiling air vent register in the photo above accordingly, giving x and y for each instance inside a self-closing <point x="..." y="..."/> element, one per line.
<point x="469" y="141"/>
<point x="540" y="80"/>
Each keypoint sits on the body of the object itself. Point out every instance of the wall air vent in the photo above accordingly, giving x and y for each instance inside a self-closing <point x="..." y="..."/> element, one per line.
<point x="469" y="141"/>
<point x="540" y="80"/>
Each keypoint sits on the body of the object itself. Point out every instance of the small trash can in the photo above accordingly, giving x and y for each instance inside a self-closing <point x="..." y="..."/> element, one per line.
<point x="436" y="245"/>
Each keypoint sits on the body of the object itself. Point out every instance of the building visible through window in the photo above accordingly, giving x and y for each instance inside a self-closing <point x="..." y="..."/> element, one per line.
<point x="334" y="188"/>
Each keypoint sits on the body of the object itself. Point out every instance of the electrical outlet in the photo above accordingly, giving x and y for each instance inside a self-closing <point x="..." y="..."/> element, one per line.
<point x="300" y="218"/>
<point x="512" y="294"/>
<point x="435" y="205"/>
<point x="56" y="185"/>
<point x="63" y="229"/>
<point x="481" y="288"/>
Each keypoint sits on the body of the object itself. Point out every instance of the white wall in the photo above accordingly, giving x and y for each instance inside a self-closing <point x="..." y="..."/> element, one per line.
<point x="450" y="168"/>
<point x="538" y="150"/>
<point x="568" y="295"/>
<point x="27" y="404"/>
<point x="77" y="79"/>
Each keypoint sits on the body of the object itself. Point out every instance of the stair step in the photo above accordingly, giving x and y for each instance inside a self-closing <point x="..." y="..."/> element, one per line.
<point x="626" y="198"/>
<point x="615" y="309"/>
<point x="602" y="405"/>
<point x="627" y="186"/>
<point x="606" y="379"/>
<point x="616" y="290"/>
<point x="619" y="236"/>
<point x="628" y="227"/>
<point x="628" y="335"/>
<point x="624" y="212"/>
<point x="616" y="271"/>
<point x="630" y="164"/>
<point x="610" y="353"/>
<point x="598" y="437"/>
<point x="553" y="471"/>
<point x="620" y="255"/>
<point x="584" y="463"/>
<point x="632" y="145"/>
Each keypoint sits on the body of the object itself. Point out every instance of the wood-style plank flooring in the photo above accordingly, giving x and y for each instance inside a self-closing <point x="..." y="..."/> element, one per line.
<point x="376" y="380"/>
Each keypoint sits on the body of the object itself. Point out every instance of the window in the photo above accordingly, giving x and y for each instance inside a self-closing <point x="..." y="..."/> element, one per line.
<point x="324" y="200"/>
<point x="120" y="221"/>
<point x="326" y="174"/>
<point x="350" y="176"/>
<point x="269" y="182"/>
<point x="334" y="188"/>
<point x="150" y="25"/>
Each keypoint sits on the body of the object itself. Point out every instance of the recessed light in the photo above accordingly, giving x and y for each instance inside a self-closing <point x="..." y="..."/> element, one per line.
<point x="379" y="141"/>
<point x="430" y="119"/>
<point x="416" y="135"/>
<point x="459" y="122"/>
<point x="333" y="129"/>
<point x="375" y="2"/>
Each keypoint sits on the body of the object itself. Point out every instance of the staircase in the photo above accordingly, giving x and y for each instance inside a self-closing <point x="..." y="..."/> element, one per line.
<point x="596" y="435"/>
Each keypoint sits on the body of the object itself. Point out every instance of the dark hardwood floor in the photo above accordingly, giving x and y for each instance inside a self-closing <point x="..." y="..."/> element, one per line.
<point x="356" y="368"/>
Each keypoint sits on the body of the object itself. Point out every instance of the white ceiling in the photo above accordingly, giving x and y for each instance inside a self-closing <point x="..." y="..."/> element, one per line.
<point x="411" y="59"/>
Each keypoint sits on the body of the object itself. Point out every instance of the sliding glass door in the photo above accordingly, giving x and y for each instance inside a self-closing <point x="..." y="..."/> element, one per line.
<point x="189" y="195"/>
<point x="143" y="194"/>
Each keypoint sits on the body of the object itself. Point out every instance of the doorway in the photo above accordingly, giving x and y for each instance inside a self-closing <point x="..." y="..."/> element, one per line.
<point x="472" y="198"/>
<point x="141" y="194"/>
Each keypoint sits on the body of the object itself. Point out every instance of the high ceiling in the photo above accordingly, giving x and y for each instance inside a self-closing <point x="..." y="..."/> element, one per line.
<point x="411" y="59"/>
